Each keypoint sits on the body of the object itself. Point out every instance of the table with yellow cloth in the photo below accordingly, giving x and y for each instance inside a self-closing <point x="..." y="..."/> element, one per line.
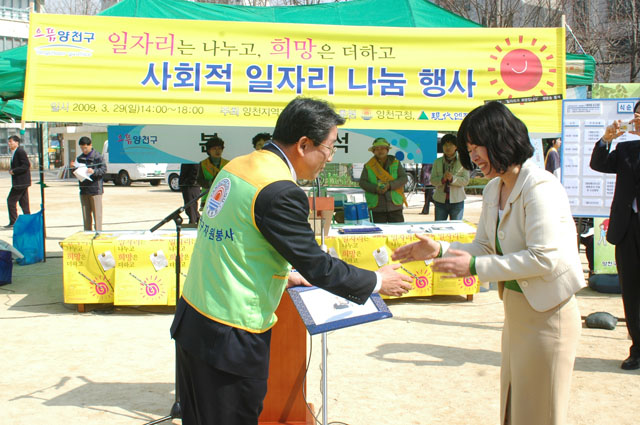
<point x="124" y="268"/>
<point x="138" y="267"/>
<point x="373" y="250"/>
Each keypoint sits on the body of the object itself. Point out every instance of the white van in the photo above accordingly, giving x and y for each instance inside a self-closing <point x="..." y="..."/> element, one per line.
<point x="123" y="174"/>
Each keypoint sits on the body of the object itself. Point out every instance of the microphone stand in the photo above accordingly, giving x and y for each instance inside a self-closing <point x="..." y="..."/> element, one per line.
<point x="176" y="411"/>
<point x="323" y="246"/>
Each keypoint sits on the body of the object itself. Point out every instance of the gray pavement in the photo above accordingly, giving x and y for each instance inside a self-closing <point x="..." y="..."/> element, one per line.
<point x="435" y="362"/>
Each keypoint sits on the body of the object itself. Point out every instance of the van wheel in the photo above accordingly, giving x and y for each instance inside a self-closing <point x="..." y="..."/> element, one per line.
<point x="411" y="183"/>
<point x="155" y="182"/>
<point x="123" y="179"/>
<point x="174" y="182"/>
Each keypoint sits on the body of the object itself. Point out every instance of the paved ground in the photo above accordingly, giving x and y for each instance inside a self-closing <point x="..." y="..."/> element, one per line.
<point x="435" y="362"/>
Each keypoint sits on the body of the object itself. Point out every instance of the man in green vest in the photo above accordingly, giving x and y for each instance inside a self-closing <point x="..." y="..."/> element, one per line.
<point x="253" y="228"/>
<point x="383" y="179"/>
<point x="211" y="166"/>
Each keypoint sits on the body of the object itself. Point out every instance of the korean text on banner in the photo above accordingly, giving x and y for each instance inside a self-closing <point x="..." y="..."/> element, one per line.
<point x="155" y="71"/>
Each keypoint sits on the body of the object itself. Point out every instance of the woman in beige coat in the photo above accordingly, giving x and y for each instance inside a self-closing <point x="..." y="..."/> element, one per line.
<point x="526" y="240"/>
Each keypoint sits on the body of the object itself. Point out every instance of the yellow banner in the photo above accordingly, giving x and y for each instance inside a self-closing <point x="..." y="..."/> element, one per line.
<point x="155" y="71"/>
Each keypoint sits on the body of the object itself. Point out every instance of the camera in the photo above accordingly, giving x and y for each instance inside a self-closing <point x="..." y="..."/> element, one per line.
<point x="627" y="126"/>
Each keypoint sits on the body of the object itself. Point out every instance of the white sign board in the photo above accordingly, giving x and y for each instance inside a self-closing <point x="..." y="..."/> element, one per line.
<point x="583" y="124"/>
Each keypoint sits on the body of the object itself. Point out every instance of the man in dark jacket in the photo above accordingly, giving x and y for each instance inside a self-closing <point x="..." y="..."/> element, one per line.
<point x="20" y="171"/>
<point x="624" y="221"/>
<point x="91" y="188"/>
<point x="190" y="190"/>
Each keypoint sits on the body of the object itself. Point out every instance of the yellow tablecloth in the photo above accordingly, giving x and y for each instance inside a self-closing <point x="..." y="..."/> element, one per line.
<point x="370" y="251"/>
<point x="138" y="268"/>
<point x="142" y="264"/>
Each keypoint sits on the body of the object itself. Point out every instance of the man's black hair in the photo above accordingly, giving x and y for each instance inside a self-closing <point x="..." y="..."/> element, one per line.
<point x="84" y="140"/>
<point x="308" y="117"/>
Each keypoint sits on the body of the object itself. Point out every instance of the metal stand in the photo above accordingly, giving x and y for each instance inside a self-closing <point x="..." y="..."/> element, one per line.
<point x="176" y="410"/>
<point x="325" y="418"/>
<point x="323" y="246"/>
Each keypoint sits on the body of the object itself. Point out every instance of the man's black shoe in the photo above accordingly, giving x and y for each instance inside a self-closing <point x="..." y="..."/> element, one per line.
<point x="8" y="226"/>
<point x="631" y="363"/>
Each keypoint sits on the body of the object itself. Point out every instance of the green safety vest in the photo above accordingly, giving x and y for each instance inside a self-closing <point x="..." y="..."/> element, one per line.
<point x="235" y="276"/>
<point x="372" y="198"/>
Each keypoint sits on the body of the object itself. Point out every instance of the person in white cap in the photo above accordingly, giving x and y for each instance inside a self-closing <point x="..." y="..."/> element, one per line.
<point x="383" y="179"/>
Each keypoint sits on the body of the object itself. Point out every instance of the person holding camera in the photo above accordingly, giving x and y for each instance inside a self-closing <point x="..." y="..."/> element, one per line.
<point x="624" y="228"/>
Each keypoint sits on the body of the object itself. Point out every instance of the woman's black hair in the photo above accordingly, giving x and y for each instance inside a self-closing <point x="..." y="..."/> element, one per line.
<point x="260" y="136"/>
<point x="495" y="127"/>
<point x="448" y="138"/>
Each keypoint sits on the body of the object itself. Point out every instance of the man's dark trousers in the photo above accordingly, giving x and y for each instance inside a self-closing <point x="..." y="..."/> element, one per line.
<point x="628" y="262"/>
<point x="17" y="195"/>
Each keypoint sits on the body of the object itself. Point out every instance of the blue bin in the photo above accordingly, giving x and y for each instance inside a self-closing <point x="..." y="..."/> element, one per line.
<point x="350" y="213"/>
<point x="363" y="212"/>
<point x="28" y="237"/>
<point x="6" y="267"/>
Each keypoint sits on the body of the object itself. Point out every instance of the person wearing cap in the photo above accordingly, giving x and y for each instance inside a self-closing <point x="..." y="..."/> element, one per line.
<point x="211" y="166"/>
<point x="449" y="177"/>
<point x="383" y="179"/>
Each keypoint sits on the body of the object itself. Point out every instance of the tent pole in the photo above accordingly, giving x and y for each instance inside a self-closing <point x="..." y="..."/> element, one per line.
<point x="41" y="160"/>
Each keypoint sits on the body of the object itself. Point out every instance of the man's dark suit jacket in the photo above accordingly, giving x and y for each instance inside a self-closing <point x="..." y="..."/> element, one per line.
<point x="21" y="168"/>
<point x="624" y="161"/>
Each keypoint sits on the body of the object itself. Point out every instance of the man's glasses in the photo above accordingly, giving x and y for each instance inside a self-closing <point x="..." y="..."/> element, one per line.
<point x="333" y="150"/>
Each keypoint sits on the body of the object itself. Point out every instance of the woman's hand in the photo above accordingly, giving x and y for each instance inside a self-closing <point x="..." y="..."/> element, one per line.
<point x="425" y="249"/>
<point x="455" y="264"/>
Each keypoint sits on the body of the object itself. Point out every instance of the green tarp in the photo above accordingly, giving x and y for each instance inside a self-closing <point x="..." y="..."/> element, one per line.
<point x="581" y="70"/>
<point x="387" y="13"/>
<point x="10" y="110"/>
<point x="13" y="64"/>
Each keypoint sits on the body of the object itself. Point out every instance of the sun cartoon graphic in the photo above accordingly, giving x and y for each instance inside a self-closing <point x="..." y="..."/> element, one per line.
<point x="97" y="286"/>
<point x="150" y="287"/>
<point x="467" y="282"/>
<point x="522" y="66"/>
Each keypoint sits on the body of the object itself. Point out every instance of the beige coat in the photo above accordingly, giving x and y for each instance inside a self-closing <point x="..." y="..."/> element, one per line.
<point x="537" y="235"/>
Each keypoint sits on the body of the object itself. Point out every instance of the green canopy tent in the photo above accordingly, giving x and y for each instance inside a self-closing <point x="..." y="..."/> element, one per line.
<point x="13" y="64"/>
<point x="10" y="110"/>
<point x="581" y="70"/>
<point x="389" y="13"/>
